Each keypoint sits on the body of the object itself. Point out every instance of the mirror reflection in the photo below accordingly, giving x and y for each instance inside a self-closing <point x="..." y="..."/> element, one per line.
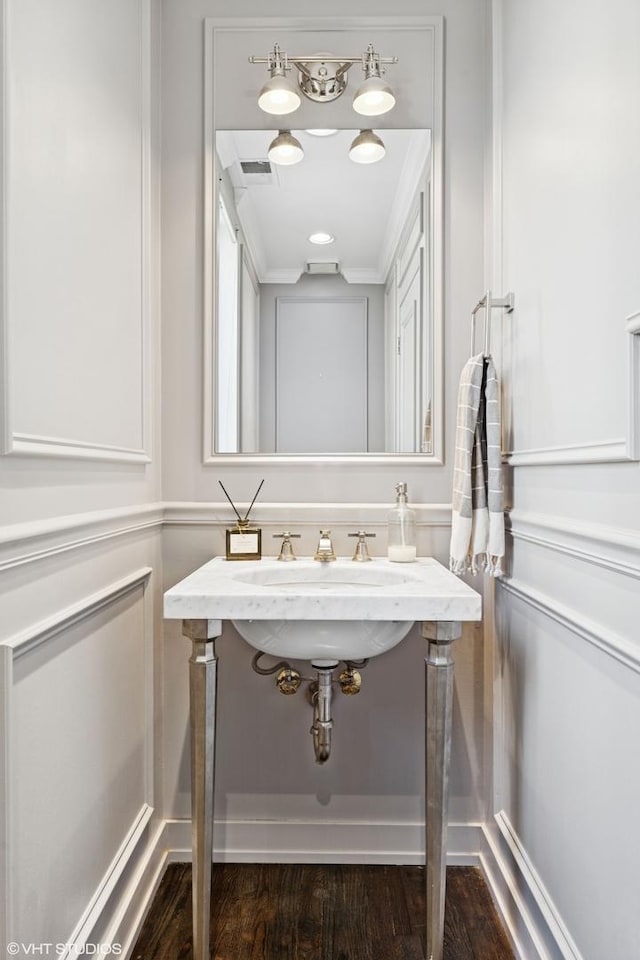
<point x="324" y="334"/>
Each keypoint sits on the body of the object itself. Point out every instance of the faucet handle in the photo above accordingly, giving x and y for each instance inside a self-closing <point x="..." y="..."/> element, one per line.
<point x="361" y="553"/>
<point x="286" y="550"/>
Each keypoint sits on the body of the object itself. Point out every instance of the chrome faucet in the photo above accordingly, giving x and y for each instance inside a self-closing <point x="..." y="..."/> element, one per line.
<point x="324" y="551"/>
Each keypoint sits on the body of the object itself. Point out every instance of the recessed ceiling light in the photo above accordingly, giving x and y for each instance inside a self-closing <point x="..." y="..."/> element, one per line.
<point x="321" y="133"/>
<point x="321" y="238"/>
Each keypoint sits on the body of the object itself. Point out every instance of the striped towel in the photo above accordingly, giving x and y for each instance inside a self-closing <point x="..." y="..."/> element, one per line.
<point x="477" y="528"/>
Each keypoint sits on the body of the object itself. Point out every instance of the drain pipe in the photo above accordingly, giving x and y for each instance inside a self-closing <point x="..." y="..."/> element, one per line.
<point x="322" y="722"/>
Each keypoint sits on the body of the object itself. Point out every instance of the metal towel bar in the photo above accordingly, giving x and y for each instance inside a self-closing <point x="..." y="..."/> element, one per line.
<point x="488" y="303"/>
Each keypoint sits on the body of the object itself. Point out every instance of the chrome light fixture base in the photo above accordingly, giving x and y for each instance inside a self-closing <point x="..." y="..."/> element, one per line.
<point x="323" y="78"/>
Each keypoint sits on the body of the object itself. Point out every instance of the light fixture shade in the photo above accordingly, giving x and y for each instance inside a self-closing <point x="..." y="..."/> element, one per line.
<point x="367" y="148"/>
<point x="285" y="150"/>
<point x="279" y="96"/>
<point x="373" y="97"/>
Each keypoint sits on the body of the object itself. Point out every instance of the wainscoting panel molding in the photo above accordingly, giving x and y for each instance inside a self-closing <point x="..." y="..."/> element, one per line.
<point x="536" y="659"/>
<point x="29" y="642"/>
<point x="616" y="646"/>
<point x="84" y="279"/>
<point x="24" y="543"/>
<point x="624" y="447"/>
<point x="45" y="630"/>
<point x="612" y="548"/>
<point x="348" y="514"/>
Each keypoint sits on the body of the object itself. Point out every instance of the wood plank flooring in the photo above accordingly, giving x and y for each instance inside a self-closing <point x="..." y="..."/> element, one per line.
<point x="321" y="912"/>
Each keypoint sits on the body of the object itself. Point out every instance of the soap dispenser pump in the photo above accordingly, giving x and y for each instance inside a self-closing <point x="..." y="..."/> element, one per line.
<point x="402" y="529"/>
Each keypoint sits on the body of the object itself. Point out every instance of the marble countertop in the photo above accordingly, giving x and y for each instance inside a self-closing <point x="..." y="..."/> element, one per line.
<point x="310" y="590"/>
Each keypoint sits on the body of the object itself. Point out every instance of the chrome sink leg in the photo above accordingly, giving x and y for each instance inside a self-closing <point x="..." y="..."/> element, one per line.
<point x="438" y="703"/>
<point x="202" y="698"/>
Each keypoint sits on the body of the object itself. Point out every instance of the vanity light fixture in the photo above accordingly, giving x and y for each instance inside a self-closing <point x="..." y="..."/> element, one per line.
<point x="321" y="238"/>
<point x="285" y="150"/>
<point x="323" y="78"/>
<point x="367" y="148"/>
<point x="374" y="96"/>
<point x="279" y="95"/>
<point x="321" y="133"/>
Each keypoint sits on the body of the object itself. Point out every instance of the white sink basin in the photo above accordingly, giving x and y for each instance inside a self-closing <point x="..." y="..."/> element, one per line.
<point x="339" y="577"/>
<point x="322" y="611"/>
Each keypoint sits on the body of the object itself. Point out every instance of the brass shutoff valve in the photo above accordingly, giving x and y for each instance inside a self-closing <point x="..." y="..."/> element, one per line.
<point x="350" y="682"/>
<point x="288" y="681"/>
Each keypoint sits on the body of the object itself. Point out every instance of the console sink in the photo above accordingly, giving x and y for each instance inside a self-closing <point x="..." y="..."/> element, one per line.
<point x="322" y="611"/>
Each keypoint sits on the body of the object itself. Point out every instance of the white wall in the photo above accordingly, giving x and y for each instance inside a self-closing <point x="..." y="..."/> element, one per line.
<point x="366" y="802"/>
<point x="566" y="234"/>
<point x="79" y="532"/>
<point x="184" y="476"/>
<point x="81" y="562"/>
<point x="79" y="255"/>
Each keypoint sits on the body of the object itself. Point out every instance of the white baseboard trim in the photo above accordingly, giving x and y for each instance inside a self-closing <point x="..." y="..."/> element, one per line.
<point x="94" y="926"/>
<point x="126" y="922"/>
<point x="300" y="841"/>
<point x="531" y="921"/>
<point x="529" y="914"/>
<point x="342" y="842"/>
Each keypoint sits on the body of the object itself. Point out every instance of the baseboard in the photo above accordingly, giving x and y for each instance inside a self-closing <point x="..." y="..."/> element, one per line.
<point x="533" y="923"/>
<point x="299" y="841"/>
<point x="282" y="842"/>
<point x="533" y="926"/>
<point x="102" y="922"/>
<point x="126" y="923"/>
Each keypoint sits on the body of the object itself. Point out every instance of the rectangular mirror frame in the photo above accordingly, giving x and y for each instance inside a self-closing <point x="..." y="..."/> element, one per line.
<point x="432" y="26"/>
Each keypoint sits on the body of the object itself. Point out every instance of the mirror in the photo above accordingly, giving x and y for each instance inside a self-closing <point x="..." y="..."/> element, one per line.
<point x="329" y="352"/>
<point x="323" y="348"/>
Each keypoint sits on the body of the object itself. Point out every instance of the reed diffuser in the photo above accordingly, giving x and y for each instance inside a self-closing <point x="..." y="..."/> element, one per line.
<point x="244" y="541"/>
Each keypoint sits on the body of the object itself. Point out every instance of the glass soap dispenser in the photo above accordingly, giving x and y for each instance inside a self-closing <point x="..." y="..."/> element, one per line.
<point x="402" y="529"/>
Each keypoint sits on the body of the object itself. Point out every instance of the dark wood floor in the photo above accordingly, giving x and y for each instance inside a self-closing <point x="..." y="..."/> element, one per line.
<point x="321" y="912"/>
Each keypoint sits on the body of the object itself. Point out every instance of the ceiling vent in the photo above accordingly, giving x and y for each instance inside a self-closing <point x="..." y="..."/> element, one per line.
<point x="329" y="266"/>
<point x="255" y="173"/>
<point x="255" y="166"/>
